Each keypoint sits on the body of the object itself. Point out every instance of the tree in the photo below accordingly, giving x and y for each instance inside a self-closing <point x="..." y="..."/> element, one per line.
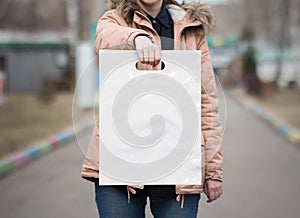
<point x="284" y="34"/>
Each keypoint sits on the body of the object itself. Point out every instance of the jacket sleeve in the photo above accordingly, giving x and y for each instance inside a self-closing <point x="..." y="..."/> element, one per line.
<point x="112" y="31"/>
<point x="90" y="166"/>
<point x="211" y="125"/>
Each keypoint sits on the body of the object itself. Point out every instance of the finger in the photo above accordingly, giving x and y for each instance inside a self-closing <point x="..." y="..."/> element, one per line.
<point x="139" y="65"/>
<point x="147" y="53"/>
<point x="205" y="189"/>
<point x="211" y="191"/>
<point x="137" y="186"/>
<point x="212" y="196"/>
<point x="132" y="190"/>
<point x="208" y="199"/>
<point x="219" y="192"/>
<point x="151" y="53"/>
<point x="140" y="55"/>
<point x="157" y="56"/>
<point x="215" y="194"/>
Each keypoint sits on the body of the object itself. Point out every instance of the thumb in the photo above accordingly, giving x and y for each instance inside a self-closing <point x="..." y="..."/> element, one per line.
<point x="206" y="192"/>
<point x="205" y="188"/>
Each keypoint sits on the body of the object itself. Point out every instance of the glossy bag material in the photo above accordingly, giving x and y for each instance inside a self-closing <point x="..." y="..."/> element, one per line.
<point x="150" y="120"/>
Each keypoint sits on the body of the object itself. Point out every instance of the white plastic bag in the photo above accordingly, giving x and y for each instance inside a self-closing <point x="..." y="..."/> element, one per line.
<point x="150" y="121"/>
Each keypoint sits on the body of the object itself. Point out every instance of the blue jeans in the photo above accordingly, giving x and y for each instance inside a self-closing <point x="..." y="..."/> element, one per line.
<point x="112" y="202"/>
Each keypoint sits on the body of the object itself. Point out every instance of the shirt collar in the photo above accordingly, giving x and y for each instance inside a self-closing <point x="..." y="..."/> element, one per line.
<point x="163" y="16"/>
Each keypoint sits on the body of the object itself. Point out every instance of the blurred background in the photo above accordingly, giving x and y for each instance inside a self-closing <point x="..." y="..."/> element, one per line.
<point x="48" y="83"/>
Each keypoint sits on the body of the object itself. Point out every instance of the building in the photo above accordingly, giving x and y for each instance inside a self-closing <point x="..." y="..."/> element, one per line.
<point x="29" y="66"/>
<point x="38" y="47"/>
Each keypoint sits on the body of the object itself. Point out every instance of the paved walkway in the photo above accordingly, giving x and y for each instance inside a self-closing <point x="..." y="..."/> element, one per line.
<point x="261" y="172"/>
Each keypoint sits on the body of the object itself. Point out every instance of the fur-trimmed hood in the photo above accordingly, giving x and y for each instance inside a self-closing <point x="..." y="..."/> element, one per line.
<point x="195" y="11"/>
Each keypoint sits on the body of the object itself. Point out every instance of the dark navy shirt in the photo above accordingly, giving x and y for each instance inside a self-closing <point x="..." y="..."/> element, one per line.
<point x="164" y="26"/>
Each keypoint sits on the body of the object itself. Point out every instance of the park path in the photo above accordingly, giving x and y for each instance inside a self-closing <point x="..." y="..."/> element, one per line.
<point x="261" y="178"/>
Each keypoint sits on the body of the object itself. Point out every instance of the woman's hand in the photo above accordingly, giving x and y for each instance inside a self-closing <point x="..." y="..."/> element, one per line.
<point x="148" y="51"/>
<point x="132" y="188"/>
<point x="212" y="189"/>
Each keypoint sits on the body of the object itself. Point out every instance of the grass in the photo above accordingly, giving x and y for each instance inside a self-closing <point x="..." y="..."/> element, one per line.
<point x="24" y="120"/>
<point x="285" y="105"/>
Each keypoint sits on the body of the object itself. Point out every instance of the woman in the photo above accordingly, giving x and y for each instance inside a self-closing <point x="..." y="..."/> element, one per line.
<point x="142" y="24"/>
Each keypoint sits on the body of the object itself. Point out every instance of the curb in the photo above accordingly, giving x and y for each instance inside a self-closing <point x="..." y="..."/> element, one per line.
<point x="21" y="158"/>
<point x="288" y="132"/>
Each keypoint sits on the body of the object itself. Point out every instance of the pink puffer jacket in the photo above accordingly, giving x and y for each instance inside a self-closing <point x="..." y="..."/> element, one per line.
<point x="191" y="24"/>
